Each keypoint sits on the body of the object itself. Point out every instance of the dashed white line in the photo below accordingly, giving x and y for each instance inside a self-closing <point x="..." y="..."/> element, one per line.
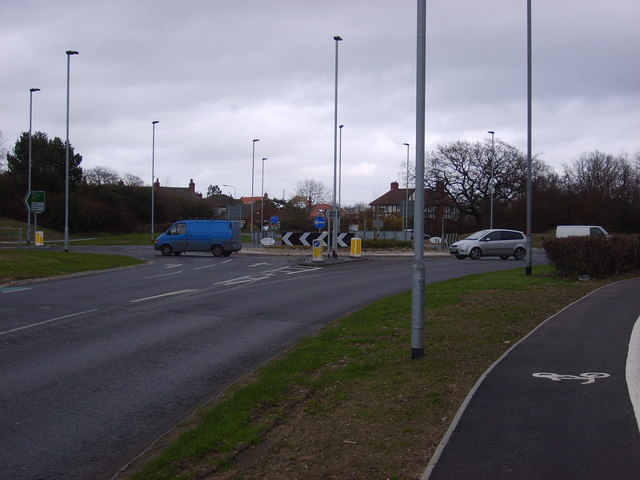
<point x="206" y="266"/>
<point x="168" y="294"/>
<point x="163" y="275"/>
<point x="71" y="315"/>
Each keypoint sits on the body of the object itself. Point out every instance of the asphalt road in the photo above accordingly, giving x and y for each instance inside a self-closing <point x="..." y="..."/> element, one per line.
<point x="94" y="368"/>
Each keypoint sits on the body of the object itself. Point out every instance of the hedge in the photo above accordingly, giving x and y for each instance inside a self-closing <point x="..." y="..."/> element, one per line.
<point x="595" y="256"/>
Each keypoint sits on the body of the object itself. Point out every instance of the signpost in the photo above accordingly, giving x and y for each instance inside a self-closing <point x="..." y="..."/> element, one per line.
<point x="34" y="201"/>
<point x="319" y="222"/>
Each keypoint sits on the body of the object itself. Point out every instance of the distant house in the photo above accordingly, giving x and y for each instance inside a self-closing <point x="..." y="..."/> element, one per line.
<point x="439" y="206"/>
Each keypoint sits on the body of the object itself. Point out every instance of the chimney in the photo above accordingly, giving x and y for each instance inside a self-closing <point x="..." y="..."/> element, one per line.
<point x="394" y="185"/>
<point x="192" y="186"/>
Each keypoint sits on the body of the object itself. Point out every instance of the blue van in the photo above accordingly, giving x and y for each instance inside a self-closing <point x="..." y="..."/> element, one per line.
<point x="220" y="237"/>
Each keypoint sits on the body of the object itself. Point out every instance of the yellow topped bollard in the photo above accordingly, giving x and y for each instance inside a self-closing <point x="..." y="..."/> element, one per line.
<point x="356" y="247"/>
<point x="39" y="238"/>
<point x="317" y="250"/>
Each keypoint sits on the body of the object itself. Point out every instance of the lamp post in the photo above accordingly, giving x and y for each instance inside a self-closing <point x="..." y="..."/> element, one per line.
<point x="253" y="159"/>
<point x="529" y="267"/>
<point x="153" y="174"/>
<point x="406" y="196"/>
<point x="66" y="164"/>
<point x="336" y="220"/>
<point x="31" y="90"/>
<point x="231" y="186"/>
<point x="492" y="181"/>
<point x="340" y="171"/>
<point x="262" y="201"/>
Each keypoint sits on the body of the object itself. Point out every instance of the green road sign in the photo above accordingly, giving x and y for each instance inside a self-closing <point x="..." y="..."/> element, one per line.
<point x="34" y="201"/>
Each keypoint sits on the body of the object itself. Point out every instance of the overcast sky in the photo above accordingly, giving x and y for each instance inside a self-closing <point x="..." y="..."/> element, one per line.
<point x="217" y="74"/>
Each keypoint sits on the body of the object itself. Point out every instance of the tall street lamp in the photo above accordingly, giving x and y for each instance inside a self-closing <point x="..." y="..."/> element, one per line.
<point x="31" y="90"/>
<point x="336" y="219"/>
<point x="262" y="201"/>
<point x="66" y="164"/>
<point x="231" y="186"/>
<point x="153" y="174"/>
<point x="253" y="160"/>
<point x="340" y="170"/>
<point x="492" y="182"/>
<point x="406" y="195"/>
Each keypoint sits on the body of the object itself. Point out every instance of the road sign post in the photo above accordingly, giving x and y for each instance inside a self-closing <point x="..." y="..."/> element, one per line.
<point x="34" y="201"/>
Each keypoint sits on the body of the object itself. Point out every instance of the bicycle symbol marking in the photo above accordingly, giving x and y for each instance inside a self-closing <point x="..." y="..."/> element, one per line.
<point x="589" y="377"/>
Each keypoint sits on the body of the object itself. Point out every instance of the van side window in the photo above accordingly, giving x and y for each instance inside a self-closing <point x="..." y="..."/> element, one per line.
<point x="178" y="229"/>
<point x="595" y="231"/>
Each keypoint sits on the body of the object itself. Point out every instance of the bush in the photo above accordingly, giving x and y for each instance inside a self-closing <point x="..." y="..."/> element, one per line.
<point x="596" y="256"/>
<point x="386" y="244"/>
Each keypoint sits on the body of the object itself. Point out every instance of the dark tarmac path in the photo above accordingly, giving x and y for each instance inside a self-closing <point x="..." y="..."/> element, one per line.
<point x="558" y="405"/>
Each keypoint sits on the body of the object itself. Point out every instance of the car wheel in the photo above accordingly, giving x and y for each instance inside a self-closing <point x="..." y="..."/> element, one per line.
<point x="217" y="251"/>
<point x="166" y="250"/>
<point x="504" y="257"/>
<point x="520" y="253"/>
<point x="461" y="257"/>
<point x="475" y="253"/>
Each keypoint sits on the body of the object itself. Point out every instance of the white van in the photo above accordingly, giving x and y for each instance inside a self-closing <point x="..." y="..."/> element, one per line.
<point x="563" y="231"/>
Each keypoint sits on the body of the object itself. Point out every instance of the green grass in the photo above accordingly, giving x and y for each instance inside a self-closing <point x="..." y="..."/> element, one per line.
<point x="22" y="264"/>
<point x="353" y="382"/>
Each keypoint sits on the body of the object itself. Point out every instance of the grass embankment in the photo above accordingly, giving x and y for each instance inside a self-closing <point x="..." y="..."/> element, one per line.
<point x="24" y="264"/>
<point x="349" y="402"/>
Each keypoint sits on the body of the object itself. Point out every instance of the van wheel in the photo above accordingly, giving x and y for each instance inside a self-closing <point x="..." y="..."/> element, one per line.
<point x="475" y="253"/>
<point x="520" y="253"/>
<point x="166" y="250"/>
<point x="217" y="251"/>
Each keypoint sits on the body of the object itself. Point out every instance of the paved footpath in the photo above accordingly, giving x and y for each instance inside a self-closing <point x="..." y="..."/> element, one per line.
<point x="558" y="405"/>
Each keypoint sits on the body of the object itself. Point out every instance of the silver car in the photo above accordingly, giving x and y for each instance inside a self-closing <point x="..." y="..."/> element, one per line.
<point x="496" y="242"/>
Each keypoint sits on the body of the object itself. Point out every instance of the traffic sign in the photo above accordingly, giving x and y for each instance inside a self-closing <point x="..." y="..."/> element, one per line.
<point x="34" y="201"/>
<point x="319" y="222"/>
<point x="275" y="220"/>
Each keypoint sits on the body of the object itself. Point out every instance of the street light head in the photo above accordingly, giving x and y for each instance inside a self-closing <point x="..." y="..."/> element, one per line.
<point x="337" y="38"/>
<point x="72" y="52"/>
<point x="491" y="132"/>
<point x="340" y="126"/>
<point x="34" y="89"/>
<point x="406" y="144"/>
<point x="256" y="139"/>
<point x="155" y="121"/>
<point x="264" y="159"/>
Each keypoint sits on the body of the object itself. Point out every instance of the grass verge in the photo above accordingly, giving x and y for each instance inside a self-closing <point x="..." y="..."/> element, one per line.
<point x="349" y="403"/>
<point x="23" y="264"/>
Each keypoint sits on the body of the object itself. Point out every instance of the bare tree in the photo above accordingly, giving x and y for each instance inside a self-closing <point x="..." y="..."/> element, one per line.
<point x="466" y="171"/>
<point x="130" y="180"/>
<point x="101" y="176"/>
<point x="313" y="191"/>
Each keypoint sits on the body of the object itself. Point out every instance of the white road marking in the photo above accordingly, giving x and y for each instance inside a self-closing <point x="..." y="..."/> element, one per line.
<point x="13" y="289"/>
<point x="206" y="266"/>
<point x="47" y="321"/>
<point x="163" y="275"/>
<point x="632" y="370"/>
<point x="168" y="294"/>
<point x="257" y="264"/>
<point x="590" y="377"/>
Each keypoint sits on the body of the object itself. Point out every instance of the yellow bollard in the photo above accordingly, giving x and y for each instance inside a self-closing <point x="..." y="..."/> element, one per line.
<point x="317" y="251"/>
<point x="39" y="238"/>
<point x="356" y="247"/>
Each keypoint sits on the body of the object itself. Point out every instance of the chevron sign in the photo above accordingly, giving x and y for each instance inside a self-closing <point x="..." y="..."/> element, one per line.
<point x="306" y="239"/>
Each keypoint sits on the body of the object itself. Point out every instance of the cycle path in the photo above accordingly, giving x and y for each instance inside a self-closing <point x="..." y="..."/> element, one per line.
<point x="558" y="405"/>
